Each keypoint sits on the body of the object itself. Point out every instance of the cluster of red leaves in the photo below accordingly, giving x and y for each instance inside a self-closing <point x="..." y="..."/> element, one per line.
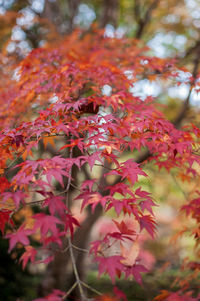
<point x="57" y="95"/>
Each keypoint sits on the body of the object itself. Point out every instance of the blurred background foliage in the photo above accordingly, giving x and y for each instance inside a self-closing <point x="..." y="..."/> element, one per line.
<point x="170" y="29"/>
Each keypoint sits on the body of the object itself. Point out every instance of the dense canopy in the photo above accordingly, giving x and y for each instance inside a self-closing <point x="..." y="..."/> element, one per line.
<point x="77" y="138"/>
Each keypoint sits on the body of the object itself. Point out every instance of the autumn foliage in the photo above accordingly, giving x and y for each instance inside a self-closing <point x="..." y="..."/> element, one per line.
<point x="68" y="113"/>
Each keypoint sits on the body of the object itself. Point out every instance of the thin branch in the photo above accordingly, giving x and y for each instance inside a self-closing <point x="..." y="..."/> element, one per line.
<point x="65" y="250"/>
<point x="144" y="21"/>
<point x="69" y="291"/>
<point x="78" y="281"/>
<point x="75" y="270"/>
<point x="193" y="49"/>
<point x="101" y="165"/>
<point x="91" y="288"/>
<point x="76" y="187"/>
<point x="186" y="103"/>
<point x="177" y="122"/>
<point x="80" y="249"/>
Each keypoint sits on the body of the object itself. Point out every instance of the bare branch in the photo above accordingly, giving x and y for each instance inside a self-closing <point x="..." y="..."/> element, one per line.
<point x="91" y="288"/>
<point x="144" y="21"/>
<point x="186" y="103"/>
<point x="193" y="49"/>
<point x="69" y="291"/>
<point x="78" y="281"/>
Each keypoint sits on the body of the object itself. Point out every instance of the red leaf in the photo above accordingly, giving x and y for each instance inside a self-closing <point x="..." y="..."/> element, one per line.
<point x="29" y="254"/>
<point x="119" y="294"/>
<point x="147" y="222"/>
<point x="4" y="184"/>
<point x="46" y="223"/>
<point x="123" y="228"/>
<point x="21" y="235"/>
<point x="111" y="265"/>
<point x="136" y="271"/>
<point x="55" y="204"/>
<point x="57" y="295"/>
<point x="70" y="222"/>
<point x="5" y="217"/>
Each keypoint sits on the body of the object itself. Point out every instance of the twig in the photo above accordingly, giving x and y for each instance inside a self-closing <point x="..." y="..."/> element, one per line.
<point x="101" y="165"/>
<point x="75" y="270"/>
<point x="182" y="113"/>
<point x="69" y="291"/>
<point x="145" y="20"/>
<point x="186" y="103"/>
<point x="91" y="288"/>
<point x="65" y="250"/>
<point x="78" y="281"/>
<point x="80" y="249"/>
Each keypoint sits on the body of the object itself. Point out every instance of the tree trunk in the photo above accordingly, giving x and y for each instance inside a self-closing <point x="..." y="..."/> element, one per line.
<point x="109" y="13"/>
<point x="53" y="13"/>
<point x="73" y="10"/>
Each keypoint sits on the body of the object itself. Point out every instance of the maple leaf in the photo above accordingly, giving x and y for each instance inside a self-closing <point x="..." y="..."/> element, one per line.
<point x="96" y="246"/>
<point x="46" y="223"/>
<point x="123" y="228"/>
<point x="55" y="204"/>
<point x="147" y="205"/>
<point x="56" y="295"/>
<point x="107" y="298"/>
<point x="5" y="218"/>
<point x="53" y="239"/>
<point x="111" y="265"/>
<point x="29" y="254"/>
<point x="70" y="222"/>
<point x="92" y="198"/>
<point x="89" y="184"/>
<point x="76" y="142"/>
<point x="135" y="271"/>
<point x="147" y="222"/>
<point x="4" y="184"/>
<point x="17" y="196"/>
<point x="120" y="295"/>
<point x="131" y="170"/>
<point x="121" y="188"/>
<point x="21" y="235"/>
<point x="93" y="158"/>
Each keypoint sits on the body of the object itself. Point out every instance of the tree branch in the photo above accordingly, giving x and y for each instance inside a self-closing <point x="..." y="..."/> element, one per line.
<point x="193" y="49"/>
<point x="69" y="291"/>
<point x="144" y="21"/>
<point x="186" y="103"/>
<point x="177" y="122"/>
<point x="78" y="281"/>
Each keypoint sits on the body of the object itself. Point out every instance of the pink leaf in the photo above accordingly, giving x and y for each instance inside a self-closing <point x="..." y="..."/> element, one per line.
<point x="19" y="236"/>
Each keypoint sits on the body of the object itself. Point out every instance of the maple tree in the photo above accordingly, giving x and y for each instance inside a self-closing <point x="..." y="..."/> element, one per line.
<point x="69" y="116"/>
